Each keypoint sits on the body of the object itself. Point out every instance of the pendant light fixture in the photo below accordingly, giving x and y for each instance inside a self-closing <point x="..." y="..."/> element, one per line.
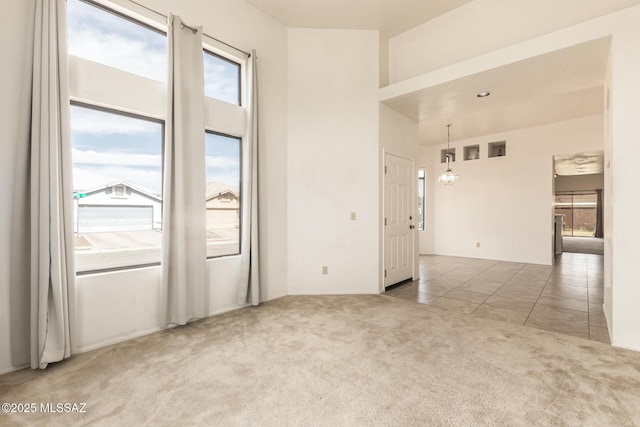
<point x="448" y="177"/>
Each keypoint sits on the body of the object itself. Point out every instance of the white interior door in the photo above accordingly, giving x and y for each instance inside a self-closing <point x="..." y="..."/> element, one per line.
<point x="398" y="212"/>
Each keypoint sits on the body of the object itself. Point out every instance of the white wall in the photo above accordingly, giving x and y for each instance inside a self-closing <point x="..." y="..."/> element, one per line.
<point x="468" y="53"/>
<point x="333" y="161"/>
<point x="120" y="305"/>
<point x="398" y="136"/>
<point x="590" y="182"/>
<point x="483" y="26"/>
<point x="505" y="203"/>
<point x="625" y="176"/>
<point x="117" y="306"/>
<point x="608" y="199"/>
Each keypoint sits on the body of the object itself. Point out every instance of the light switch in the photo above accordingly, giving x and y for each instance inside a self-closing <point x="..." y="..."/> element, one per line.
<point x="353" y="216"/>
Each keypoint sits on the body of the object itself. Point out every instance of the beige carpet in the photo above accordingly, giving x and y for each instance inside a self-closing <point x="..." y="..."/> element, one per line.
<point x="339" y="360"/>
<point x="583" y="245"/>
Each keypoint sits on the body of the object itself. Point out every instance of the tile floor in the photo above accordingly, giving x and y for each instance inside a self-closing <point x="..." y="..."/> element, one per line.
<point x="565" y="298"/>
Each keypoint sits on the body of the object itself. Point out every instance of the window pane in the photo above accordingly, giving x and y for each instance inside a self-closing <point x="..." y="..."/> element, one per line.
<point x="579" y="212"/>
<point x="584" y="215"/>
<point x="221" y="78"/>
<point x="117" y="184"/>
<point x="223" y="194"/>
<point x="112" y="40"/>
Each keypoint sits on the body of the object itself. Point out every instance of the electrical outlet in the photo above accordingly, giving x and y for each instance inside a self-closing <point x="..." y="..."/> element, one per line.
<point x="477" y="244"/>
<point x="353" y="216"/>
<point x="325" y="269"/>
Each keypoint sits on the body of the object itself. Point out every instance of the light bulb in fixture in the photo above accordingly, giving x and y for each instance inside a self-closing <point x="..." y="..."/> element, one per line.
<point x="448" y="177"/>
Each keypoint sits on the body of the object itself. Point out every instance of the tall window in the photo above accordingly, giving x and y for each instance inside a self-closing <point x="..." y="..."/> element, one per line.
<point x="117" y="156"/>
<point x="106" y="37"/>
<point x="221" y="78"/>
<point x="117" y="184"/>
<point x="223" y="194"/>
<point x="421" y="199"/>
<point x="580" y="213"/>
<point x="117" y="139"/>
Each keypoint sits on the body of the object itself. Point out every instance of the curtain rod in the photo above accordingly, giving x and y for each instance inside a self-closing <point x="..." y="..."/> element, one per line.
<point x="183" y="26"/>
<point x="191" y="28"/>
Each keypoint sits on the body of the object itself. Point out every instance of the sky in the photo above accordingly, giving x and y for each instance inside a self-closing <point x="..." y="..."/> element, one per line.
<point x="111" y="147"/>
<point x="122" y="148"/>
<point x="116" y="147"/>
<point x="110" y="40"/>
<point x="221" y="79"/>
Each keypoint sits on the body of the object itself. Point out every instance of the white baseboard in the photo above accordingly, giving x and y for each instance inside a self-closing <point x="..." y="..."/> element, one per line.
<point x="12" y="369"/>
<point x="117" y="340"/>
<point x="626" y="347"/>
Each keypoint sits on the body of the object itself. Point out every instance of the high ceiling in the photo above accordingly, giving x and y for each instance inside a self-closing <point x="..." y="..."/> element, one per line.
<point x="561" y="85"/>
<point x="557" y="86"/>
<point x="391" y="17"/>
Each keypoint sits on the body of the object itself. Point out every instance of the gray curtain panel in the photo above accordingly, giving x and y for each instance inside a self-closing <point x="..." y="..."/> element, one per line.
<point x="249" y="290"/>
<point x="184" y="290"/>
<point x="42" y="264"/>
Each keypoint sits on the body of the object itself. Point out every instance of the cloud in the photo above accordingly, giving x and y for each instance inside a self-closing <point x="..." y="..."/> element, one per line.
<point x="88" y="121"/>
<point x="90" y="157"/>
<point x="220" y="79"/>
<point x="133" y="56"/>
<point x="85" y="179"/>
<point x="228" y="178"/>
<point x="219" y="162"/>
<point x="110" y="40"/>
<point x="107" y="39"/>
<point x="148" y="180"/>
<point x="223" y="169"/>
<point x="143" y="170"/>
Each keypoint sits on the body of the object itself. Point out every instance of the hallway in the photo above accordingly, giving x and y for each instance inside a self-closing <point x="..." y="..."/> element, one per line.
<point x="565" y="298"/>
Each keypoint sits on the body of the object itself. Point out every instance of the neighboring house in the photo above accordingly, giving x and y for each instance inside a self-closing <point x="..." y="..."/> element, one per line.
<point x="116" y="206"/>
<point x="223" y="206"/>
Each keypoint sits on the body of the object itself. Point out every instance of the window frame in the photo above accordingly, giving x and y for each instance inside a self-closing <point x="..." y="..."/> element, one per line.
<point x="105" y="8"/>
<point x="110" y="110"/>
<point x="572" y="207"/>
<point x="240" y="192"/>
<point x="137" y="21"/>
<point x="208" y="51"/>
<point x="422" y="226"/>
<point x="82" y="98"/>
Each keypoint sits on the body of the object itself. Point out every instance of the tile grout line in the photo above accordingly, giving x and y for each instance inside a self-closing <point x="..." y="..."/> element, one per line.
<point x="501" y="286"/>
<point x="546" y="283"/>
<point x="473" y="277"/>
<point x="477" y="259"/>
<point x="555" y="270"/>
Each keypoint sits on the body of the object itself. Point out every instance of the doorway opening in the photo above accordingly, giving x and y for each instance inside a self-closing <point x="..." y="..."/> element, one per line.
<point x="579" y="210"/>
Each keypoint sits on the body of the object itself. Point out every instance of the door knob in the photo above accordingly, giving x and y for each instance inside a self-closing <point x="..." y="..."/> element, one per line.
<point x="411" y="227"/>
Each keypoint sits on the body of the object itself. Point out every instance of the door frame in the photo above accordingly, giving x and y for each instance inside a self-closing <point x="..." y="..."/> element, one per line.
<point x="414" y="236"/>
